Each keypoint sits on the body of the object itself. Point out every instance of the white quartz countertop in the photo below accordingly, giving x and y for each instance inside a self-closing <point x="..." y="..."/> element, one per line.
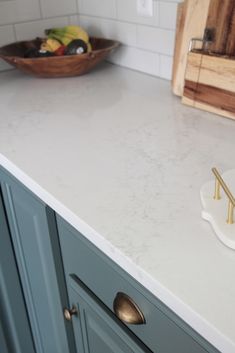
<point x="119" y="157"/>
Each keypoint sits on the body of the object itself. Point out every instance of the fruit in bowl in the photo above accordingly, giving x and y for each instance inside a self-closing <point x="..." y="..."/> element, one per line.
<point x="60" y="54"/>
<point x="69" y="40"/>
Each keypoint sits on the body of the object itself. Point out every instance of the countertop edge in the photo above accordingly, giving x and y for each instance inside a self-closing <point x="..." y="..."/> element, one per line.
<point x="198" y="323"/>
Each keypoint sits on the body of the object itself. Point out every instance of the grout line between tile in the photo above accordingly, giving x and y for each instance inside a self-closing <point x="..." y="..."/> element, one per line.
<point x="128" y="22"/>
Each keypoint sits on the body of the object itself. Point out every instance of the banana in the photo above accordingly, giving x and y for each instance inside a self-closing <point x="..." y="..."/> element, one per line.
<point x="89" y="48"/>
<point x="66" y="34"/>
<point x="51" y="45"/>
<point x="62" y="39"/>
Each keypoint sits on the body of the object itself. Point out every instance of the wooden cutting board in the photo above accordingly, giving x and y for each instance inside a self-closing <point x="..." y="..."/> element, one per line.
<point x="221" y="20"/>
<point x="210" y="84"/>
<point x="191" y="23"/>
<point x="178" y="40"/>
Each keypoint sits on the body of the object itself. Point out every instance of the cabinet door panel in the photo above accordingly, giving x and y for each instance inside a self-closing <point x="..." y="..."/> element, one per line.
<point x="163" y="331"/>
<point x="29" y="221"/>
<point x="15" y="332"/>
<point x="97" y="326"/>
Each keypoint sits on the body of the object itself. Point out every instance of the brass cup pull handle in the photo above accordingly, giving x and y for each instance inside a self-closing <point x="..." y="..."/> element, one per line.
<point x="68" y="313"/>
<point x="127" y="310"/>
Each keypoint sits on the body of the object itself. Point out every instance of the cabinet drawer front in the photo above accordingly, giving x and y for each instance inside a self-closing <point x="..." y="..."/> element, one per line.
<point x="163" y="331"/>
<point x="99" y="329"/>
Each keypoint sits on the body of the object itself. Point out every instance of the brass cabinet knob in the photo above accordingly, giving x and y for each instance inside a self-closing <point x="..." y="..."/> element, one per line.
<point x="68" y="313"/>
<point x="127" y="310"/>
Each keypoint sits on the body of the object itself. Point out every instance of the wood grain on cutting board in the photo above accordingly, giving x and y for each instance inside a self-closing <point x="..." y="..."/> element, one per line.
<point x="221" y="19"/>
<point x="191" y="23"/>
<point x="210" y="84"/>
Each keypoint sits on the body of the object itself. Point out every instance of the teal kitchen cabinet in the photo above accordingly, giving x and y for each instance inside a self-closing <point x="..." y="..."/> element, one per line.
<point x="161" y="330"/>
<point x="75" y="298"/>
<point x="97" y="330"/>
<point x="34" y="237"/>
<point x="15" y="332"/>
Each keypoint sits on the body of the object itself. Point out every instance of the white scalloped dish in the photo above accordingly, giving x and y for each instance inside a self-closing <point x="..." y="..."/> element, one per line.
<point x="216" y="211"/>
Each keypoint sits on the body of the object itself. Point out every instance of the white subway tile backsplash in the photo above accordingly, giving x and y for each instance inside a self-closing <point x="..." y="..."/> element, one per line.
<point x="19" y="10"/>
<point x="101" y="8"/>
<point x="52" y="8"/>
<point x="136" y="59"/>
<point x="6" y="35"/>
<point x="121" y="31"/>
<point x="167" y="15"/>
<point x="127" y="11"/>
<point x="74" y="20"/>
<point x="166" y="63"/>
<point x="30" y="30"/>
<point x="155" y="39"/>
<point x="92" y="25"/>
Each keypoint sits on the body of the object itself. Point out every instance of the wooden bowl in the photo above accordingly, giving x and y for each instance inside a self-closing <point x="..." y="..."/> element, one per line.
<point x="57" y="66"/>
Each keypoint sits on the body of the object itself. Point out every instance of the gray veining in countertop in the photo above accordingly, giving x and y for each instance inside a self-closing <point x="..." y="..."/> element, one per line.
<point x="125" y="156"/>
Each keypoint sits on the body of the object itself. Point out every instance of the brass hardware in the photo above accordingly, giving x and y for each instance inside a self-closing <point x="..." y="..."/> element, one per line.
<point x="230" y="213"/>
<point x="68" y="313"/>
<point x="127" y="310"/>
<point x="220" y="182"/>
<point x="217" y="190"/>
